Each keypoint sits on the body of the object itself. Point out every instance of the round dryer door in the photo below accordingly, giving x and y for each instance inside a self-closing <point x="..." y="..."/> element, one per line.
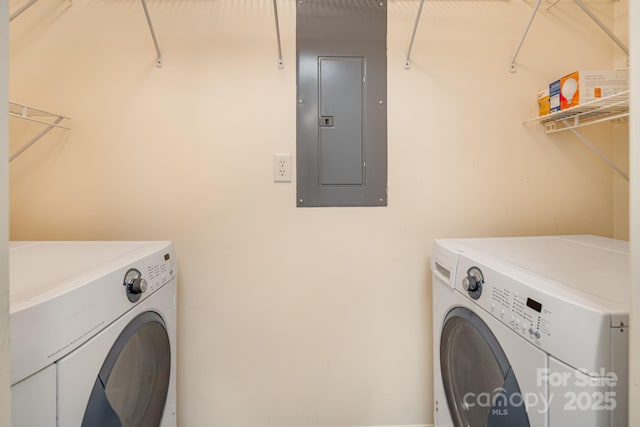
<point x="479" y="383"/>
<point x="131" y="388"/>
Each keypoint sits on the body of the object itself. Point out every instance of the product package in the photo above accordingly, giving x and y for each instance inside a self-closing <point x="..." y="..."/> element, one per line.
<point x="584" y="86"/>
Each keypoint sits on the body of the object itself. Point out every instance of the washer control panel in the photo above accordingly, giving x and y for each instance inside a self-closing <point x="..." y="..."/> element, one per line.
<point x="524" y="314"/>
<point x="146" y="279"/>
<point x="527" y="313"/>
<point x="160" y="273"/>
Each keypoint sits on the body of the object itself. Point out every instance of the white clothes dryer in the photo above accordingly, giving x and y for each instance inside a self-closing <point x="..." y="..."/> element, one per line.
<point x="530" y="331"/>
<point x="93" y="334"/>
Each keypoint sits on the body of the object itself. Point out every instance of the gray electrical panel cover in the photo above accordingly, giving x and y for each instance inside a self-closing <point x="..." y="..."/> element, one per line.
<point x="342" y="103"/>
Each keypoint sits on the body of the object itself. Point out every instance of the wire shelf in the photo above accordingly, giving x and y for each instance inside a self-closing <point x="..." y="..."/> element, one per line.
<point x="610" y="108"/>
<point x="25" y="112"/>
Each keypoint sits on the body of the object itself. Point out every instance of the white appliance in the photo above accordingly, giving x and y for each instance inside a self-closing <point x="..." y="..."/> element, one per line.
<point x="531" y="331"/>
<point x="93" y="334"/>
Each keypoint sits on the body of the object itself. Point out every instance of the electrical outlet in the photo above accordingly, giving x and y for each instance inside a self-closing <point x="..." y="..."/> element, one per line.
<point x="281" y="167"/>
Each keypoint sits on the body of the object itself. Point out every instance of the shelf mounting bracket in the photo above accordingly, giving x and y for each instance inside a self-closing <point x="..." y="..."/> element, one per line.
<point x="275" y="13"/>
<point x="602" y="26"/>
<point x="512" y="69"/>
<point x="21" y="9"/>
<point x="586" y="10"/>
<point x="159" y="60"/>
<point x="596" y="150"/>
<point x="25" y="112"/>
<point x="407" y="62"/>
<point x="35" y="139"/>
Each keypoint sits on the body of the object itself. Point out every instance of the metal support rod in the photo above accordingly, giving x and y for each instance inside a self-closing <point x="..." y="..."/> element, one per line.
<point x="597" y="151"/>
<point x="153" y="35"/>
<point x="604" y="28"/>
<point x="21" y="9"/>
<point x="407" y="62"/>
<point x="35" y="138"/>
<point x="524" y="36"/>
<point x="275" y="13"/>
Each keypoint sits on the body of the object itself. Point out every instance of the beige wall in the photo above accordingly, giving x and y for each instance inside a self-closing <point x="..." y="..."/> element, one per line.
<point x="298" y="317"/>
<point x="634" y="382"/>
<point x="4" y="222"/>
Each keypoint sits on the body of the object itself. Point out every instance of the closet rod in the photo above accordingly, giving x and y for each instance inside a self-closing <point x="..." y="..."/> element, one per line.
<point x="159" y="60"/>
<point x="524" y="36"/>
<point x="275" y="12"/>
<point x="604" y="28"/>
<point x="21" y="9"/>
<point x="407" y="62"/>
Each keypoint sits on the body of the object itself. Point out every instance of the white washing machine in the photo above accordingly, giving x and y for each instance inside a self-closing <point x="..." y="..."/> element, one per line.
<point x="93" y="334"/>
<point x="531" y="331"/>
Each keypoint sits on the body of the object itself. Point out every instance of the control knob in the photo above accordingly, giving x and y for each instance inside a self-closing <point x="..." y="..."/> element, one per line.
<point x="470" y="283"/>
<point x="473" y="282"/>
<point x="134" y="284"/>
<point x="138" y="286"/>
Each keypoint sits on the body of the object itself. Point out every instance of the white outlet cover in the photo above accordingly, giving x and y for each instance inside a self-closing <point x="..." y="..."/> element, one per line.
<point x="282" y="167"/>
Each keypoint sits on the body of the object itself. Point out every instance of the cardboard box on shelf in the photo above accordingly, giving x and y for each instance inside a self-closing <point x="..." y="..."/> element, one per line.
<point x="544" y="107"/>
<point x="584" y="86"/>
<point x="554" y="96"/>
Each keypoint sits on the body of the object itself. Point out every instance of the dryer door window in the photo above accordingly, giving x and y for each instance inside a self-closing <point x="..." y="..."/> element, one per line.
<point x="131" y="388"/>
<point x="479" y="383"/>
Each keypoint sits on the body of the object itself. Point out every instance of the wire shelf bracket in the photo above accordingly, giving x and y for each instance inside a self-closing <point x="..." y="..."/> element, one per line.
<point x="22" y="9"/>
<point x="512" y="69"/>
<point x="586" y="10"/>
<point x="19" y="11"/>
<point x="600" y="154"/>
<point x="275" y="13"/>
<point x="25" y="112"/>
<point x="159" y="59"/>
<point x="407" y="61"/>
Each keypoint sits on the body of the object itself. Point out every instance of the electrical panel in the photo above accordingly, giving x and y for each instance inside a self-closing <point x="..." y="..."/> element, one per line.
<point x="342" y="103"/>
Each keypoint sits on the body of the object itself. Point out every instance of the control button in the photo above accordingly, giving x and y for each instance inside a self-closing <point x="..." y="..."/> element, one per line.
<point x="531" y="331"/>
<point x="537" y="334"/>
